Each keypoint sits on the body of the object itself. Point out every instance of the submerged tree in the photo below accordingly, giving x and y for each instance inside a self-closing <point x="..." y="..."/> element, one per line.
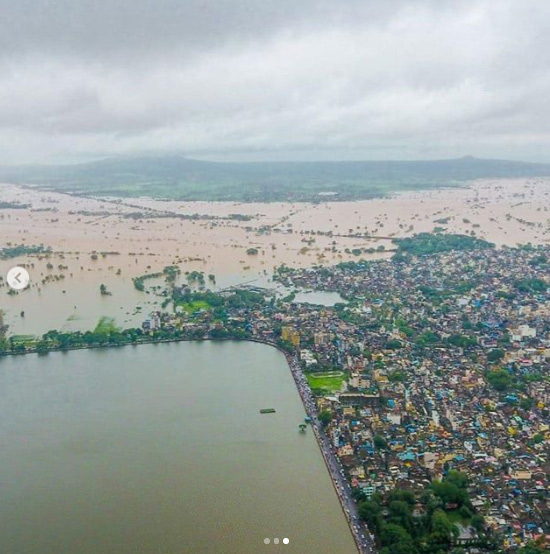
<point x="3" y="326"/>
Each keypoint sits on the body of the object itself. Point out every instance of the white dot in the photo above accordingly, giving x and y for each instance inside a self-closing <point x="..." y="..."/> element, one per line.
<point x="266" y="541"/>
<point x="285" y="541"/>
<point x="276" y="541"/>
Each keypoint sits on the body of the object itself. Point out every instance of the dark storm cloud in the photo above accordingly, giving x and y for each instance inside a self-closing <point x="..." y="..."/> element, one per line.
<point x="290" y="79"/>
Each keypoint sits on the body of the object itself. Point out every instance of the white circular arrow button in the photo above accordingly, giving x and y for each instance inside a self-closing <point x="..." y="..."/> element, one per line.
<point x="18" y="278"/>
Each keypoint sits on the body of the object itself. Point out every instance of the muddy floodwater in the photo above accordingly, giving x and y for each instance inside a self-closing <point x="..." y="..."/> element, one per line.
<point x="109" y="241"/>
<point x="161" y="449"/>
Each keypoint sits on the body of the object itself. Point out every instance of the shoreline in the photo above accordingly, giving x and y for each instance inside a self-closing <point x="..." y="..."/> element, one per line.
<point x="332" y="464"/>
<point x="343" y="491"/>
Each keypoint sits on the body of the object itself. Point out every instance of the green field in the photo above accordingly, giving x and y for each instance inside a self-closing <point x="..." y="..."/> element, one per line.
<point x="27" y="340"/>
<point x="328" y="382"/>
<point x="191" y="307"/>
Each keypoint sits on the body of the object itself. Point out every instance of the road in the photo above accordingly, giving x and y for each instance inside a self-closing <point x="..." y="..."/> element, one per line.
<point x="363" y="538"/>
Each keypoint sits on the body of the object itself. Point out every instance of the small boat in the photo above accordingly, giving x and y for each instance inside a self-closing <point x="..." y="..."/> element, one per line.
<point x="267" y="411"/>
<point x="302" y="427"/>
<point x="307" y="419"/>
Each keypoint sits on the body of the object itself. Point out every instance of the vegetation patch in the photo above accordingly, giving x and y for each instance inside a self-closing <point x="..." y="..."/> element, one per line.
<point x="195" y="306"/>
<point x="328" y="382"/>
<point x="180" y="178"/>
<point x="106" y="325"/>
<point x="424" y="244"/>
<point x="13" y="206"/>
<point x="25" y="340"/>
<point x="22" y="250"/>
<point x="170" y="272"/>
<point x="426" y="521"/>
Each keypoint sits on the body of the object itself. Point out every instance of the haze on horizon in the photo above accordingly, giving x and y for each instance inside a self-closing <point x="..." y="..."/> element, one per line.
<point x="274" y="80"/>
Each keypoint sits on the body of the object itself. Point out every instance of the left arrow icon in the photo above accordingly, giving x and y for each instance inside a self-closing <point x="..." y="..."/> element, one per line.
<point x="18" y="278"/>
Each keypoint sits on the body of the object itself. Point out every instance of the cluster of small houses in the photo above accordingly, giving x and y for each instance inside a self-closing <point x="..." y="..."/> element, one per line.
<point x="430" y="398"/>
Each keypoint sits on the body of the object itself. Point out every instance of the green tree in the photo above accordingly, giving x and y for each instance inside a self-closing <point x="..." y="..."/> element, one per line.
<point x="369" y="512"/>
<point x="478" y="523"/>
<point x="462" y="341"/>
<point x="532" y="548"/>
<point x="457" y="478"/>
<point x="403" y="547"/>
<point x="398" y="508"/>
<point x="358" y="494"/>
<point x="380" y="442"/>
<point x="393" y="534"/>
<point x="400" y="513"/>
<point x="442" y="529"/>
<point x="42" y="347"/>
<point x="3" y="326"/>
<point x="325" y="417"/>
<point x="499" y="379"/>
<point x="495" y="355"/>
<point x="403" y="496"/>
<point x="449" y="493"/>
<point x="394" y="344"/>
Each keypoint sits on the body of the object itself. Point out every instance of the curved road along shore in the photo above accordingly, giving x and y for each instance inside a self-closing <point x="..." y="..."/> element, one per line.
<point x="359" y="530"/>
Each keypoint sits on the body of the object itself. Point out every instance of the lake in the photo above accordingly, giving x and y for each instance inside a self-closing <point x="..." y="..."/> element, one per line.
<point x="160" y="449"/>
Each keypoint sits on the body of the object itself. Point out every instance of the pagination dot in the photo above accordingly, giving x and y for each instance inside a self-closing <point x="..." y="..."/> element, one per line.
<point x="285" y="541"/>
<point x="267" y="541"/>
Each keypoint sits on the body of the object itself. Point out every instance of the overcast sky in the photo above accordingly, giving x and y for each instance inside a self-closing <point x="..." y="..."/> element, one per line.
<point x="274" y="79"/>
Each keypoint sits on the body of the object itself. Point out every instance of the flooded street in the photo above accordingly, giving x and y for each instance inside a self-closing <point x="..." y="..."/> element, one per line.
<point x="111" y="241"/>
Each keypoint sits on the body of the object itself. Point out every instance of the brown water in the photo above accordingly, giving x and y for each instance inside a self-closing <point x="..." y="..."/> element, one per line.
<point x="160" y="449"/>
<point x="64" y="290"/>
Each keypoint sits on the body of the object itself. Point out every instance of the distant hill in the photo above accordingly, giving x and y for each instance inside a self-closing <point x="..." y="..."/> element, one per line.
<point x="178" y="177"/>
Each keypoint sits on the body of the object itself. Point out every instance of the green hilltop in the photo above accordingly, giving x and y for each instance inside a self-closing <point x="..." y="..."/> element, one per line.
<point x="180" y="178"/>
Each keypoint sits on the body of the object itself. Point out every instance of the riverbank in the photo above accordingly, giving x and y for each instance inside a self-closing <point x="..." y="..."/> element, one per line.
<point x="359" y="531"/>
<point x="144" y="434"/>
<point x="34" y="350"/>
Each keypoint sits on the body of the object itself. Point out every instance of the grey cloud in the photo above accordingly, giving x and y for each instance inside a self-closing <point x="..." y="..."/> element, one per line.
<point x="147" y="27"/>
<point x="323" y="78"/>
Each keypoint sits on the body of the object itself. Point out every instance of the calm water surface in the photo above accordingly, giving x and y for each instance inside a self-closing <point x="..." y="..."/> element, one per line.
<point x="160" y="449"/>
